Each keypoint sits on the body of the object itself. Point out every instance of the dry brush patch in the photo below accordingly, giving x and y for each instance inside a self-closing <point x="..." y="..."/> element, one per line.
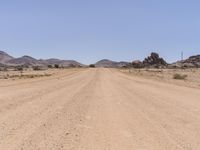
<point x="179" y="76"/>
<point x="24" y="74"/>
<point x="185" y="77"/>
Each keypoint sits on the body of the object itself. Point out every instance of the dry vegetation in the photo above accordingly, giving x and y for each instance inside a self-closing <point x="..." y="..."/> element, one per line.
<point x="179" y="76"/>
<point x="34" y="74"/>
<point x="24" y="74"/>
<point x="184" y="77"/>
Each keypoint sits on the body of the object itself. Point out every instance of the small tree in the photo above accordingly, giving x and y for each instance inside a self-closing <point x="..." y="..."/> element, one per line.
<point x="92" y="66"/>
<point x="56" y="66"/>
<point x="20" y="69"/>
<point x="36" y="68"/>
<point x="50" y="66"/>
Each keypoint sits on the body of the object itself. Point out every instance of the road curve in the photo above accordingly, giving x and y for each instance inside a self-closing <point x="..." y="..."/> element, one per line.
<point x="98" y="109"/>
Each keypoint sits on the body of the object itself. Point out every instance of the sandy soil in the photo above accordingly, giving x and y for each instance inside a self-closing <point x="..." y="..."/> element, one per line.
<point x="98" y="109"/>
<point x="166" y="75"/>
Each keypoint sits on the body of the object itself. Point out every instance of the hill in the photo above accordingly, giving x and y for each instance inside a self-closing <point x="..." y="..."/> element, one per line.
<point x="191" y="62"/>
<point x="28" y="61"/>
<point x="4" y="57"/>
<point x="111" y="64"/>
<point x="64" y="63"/>
<point x="24" y="60"/>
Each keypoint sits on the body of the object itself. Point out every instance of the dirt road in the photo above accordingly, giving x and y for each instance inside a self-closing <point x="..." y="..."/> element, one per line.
<point x="98" y="109"/>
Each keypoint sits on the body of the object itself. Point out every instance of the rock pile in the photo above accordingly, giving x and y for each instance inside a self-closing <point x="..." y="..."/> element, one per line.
<point x="191" y="62"/>
<point x="154" y="61"/>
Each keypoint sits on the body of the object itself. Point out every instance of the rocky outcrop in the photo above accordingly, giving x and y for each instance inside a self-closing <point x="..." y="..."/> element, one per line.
<point x="154" y="61"/>
<point x="191" y="62"/>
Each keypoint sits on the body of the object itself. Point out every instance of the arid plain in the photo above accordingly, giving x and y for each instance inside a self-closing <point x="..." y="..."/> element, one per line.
<point x="97" y="109"/>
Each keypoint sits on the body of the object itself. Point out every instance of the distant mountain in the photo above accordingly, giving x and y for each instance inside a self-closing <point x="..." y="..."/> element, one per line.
<point x="4" y="57"/>
<point x="154" y="60"/>
<point x="29" y="61"/>
<point x="24" y="60"/>
<point x="71" y="63"/>
<point x="106" y="63"/>
<point x="111" y="64"/>
<point x="64" y="63"/>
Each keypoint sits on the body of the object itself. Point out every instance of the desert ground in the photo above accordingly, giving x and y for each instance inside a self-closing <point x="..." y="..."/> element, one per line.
<point x="99" y="109"/>
<point x="192" y="75"/>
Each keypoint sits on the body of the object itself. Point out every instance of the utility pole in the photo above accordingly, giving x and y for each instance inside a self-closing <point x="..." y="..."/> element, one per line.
<point x="182" y="55"/>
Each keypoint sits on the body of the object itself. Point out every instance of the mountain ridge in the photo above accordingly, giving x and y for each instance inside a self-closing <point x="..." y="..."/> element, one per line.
<point x="6" y="59"/>
<point x="154" y="60"/>
<point x="111" y="64"/>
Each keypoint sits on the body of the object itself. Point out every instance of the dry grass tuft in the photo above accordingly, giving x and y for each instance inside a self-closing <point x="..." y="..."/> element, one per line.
<point x="179" y="76"/>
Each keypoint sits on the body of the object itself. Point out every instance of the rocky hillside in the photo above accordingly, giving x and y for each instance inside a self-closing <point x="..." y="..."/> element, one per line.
<point x="4" y="57"/>
<point x="64" y="63"/>
<point x="29" y="61"/>
<point x="111" y="64"/>
<point x="24" y="60"/>
<point x="191" y="62"/>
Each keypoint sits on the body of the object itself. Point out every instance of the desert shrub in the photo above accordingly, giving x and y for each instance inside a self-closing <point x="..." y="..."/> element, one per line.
<point x="56" y="66"/>
<point x="3" y="69"/>
<point x="179" y="76"/>
<point x="72" y="66"/>
<point x="92" y="66"/>
<point x="62" y="67"/>
<point x="36" y="68"/>
<point x="50" y="66"/>
<point x="19" y="68"/>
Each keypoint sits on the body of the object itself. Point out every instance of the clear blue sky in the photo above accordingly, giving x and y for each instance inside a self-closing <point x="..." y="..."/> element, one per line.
<point x="89" y="30"/>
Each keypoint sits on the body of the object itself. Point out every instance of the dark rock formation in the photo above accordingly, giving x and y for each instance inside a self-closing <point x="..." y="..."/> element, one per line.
<point x="154" y="61"/>
<point x="191" y="62"/>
